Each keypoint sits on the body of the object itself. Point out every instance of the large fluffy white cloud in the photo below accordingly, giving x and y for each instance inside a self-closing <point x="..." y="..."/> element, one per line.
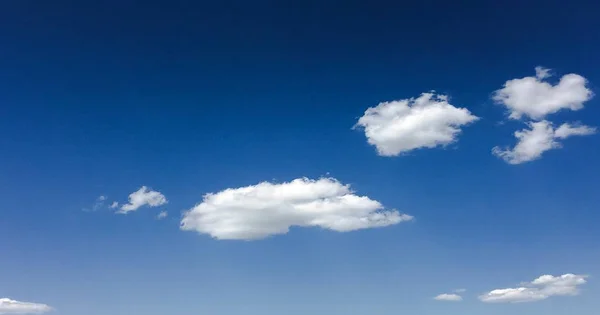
<point x="425" y="122"/>
<point x="539" y="289"/>
<point x="258" y="211"/>
<point x="536" y="98"/>
<point x="448" y="297"/>
<point x="8" y="306"/>
<point x="539" y="138"/>
<point x="143" y="197"/>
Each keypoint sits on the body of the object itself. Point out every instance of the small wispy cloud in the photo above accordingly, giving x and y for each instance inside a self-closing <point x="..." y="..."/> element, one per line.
<point x="143" y="197"/>
<point x="162" y="215"/>
<point x="98" y="204"/>
<point x="448" y="297"/>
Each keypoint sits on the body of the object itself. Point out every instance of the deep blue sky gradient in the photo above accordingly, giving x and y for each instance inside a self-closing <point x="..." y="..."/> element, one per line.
<point x="189" y="97"/>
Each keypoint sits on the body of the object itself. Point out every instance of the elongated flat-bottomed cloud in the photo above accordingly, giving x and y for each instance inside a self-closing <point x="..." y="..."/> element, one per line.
<point x="266" y="209"/>
<point x="8" y="306"/>
<point x="539" y="289"/>
<point x="448" y="297"/>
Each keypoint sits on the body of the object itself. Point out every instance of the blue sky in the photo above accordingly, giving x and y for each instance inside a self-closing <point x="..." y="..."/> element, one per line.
<point x="101" y="98"/>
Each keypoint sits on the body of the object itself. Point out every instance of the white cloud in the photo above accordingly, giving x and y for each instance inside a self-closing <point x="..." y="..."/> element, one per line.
<point x="114" y="205"/>
<point x="542" y="73"/>
<point x="425" y="122"/>
<point x="143" y="197"/>
<point x="266" y="209"/>
<point x="460" y="290"/>
<point x="532" y="143"/>
<point x="541" y="137"/>
<point x="567" y="130"/>
<point x="535" y="98"/>
<point x="8" y="306"/>
<point x="162" y="215"/>
<point x="539" y="289"/>
<point x="448" y="297"/>
<point x="97" y="204"/>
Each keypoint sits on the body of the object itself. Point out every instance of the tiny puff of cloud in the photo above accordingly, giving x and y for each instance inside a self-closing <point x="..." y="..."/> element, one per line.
<point x="143" y="197"/>
<point x="448" y="297"/>
<point x="162" y="215"/>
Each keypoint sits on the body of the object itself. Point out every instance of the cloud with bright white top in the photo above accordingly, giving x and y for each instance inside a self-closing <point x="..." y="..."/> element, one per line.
<point x="266" y="209"/>
<point x="535" y="98"/>
<point x="539" y="138"/>
<point x="448" y="297"/>
<point x="143" y="197"/>
<point x="8" y="306"/>
<point x="539" y="289"/>
<point x="401" y="126"/>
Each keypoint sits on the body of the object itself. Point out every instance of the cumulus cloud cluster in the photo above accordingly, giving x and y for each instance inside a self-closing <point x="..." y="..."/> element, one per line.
<point x="143" y="197"/>
<point x="539" y="138"/>
<point x="268" y="208"/>
<point x="539" y="289"/>
<point x="400" y="126"/>
<point x="8" y="306"/>
<point x="430" y="120"/>
<point x="265" y="209"/>
<point x="534" y="98"/>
